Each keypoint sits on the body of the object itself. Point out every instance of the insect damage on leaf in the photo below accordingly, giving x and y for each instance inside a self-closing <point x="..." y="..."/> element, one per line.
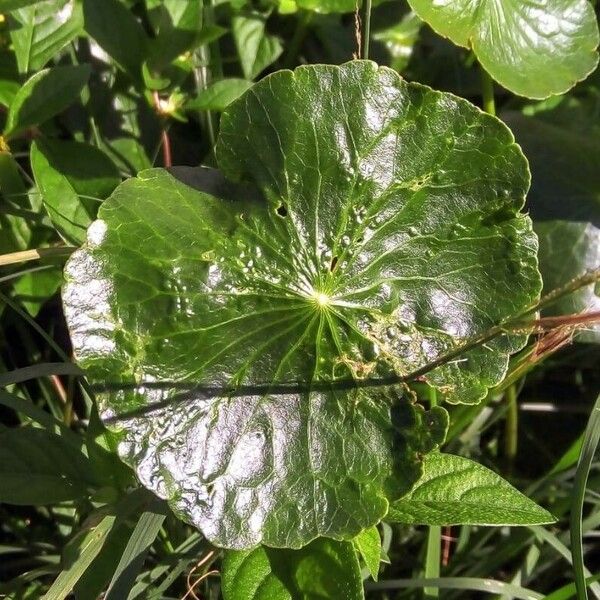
<point x="326" y="264"/>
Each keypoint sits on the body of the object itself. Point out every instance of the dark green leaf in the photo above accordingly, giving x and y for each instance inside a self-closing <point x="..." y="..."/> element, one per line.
<point x="32" y="290"/>
<point x="456" y="490"/>
<point x="376" y="247"/>
<point x="38" y="467"/>
<point x="535" y="49"/>
<point x="368" y="545"/>
<point x="90" y="172"/>
<point x="38" y="32"/>
<point x="564" y="165"/>
<point x="68" y="213"/>
<point x="118" y="33"/>
<point x="219" y="95"/>
<point x="324" y="569"/>
<point x="44" y="95"/>
<point x="256" y="48"/>
<point x="567" y="250"/>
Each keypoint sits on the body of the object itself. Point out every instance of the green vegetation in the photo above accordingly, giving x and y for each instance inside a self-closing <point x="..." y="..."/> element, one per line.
<point x="284" y="315"/>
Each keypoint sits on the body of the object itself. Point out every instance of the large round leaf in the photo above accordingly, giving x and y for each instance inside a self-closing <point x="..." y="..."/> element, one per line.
<point x="535" y="48"/>
<point x="385" y="234"/>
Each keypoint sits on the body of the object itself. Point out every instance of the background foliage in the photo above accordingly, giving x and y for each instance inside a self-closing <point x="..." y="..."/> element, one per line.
<point x="92" y="92"/>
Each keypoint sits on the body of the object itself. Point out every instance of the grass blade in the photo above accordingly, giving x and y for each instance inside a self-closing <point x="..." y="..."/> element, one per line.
<point x="64" y="583"/>
<point x="590" y="443"/>
<point x="133" y="557"/>
<point x="473" y="584"/>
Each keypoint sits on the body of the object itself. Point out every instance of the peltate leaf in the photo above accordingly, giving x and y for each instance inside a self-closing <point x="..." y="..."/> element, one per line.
<point x="456" y="490"/>
<point x="535" y="49"/>
<point x="324" y="569"/>
<point x="385" y="233"/>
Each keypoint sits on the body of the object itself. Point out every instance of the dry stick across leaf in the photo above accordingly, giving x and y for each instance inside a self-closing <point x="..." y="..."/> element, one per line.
<point x="359" y="226"/>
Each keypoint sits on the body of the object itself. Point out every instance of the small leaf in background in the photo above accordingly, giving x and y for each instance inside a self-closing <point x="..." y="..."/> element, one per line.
<point x="38" y="32"/>
<point x="324" y="569"/>
<point x="68" y="213"/>
<point x="457" y="490"/>
<point x="368" y="545"/>
<point x="219" y="95"/>
<point x="320" y="6"/>
<point x="38" y="467"/>
<point x="567" y="250"/>
<point x="8" y="91"/>
<point x="91" y="173"/>
<point x="32" y="290"/>
<point x="16" y="233"/>
<point x="118" y="33"/>
<point x="400" y="39"/>
<point x="533" y="49"/>
<point x="256" y="48"/>
<point x="176" y="29"/>
<point x="44" y="95"/>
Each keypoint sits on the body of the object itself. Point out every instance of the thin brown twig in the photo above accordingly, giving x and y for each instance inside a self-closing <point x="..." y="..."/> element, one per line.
<point x="190" y="586"/>
<point x="357" y="32"/>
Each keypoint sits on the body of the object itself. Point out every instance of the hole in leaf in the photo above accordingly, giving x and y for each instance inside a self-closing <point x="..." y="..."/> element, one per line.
<point x="282" y="211"/>
<point x="333" y="264"/>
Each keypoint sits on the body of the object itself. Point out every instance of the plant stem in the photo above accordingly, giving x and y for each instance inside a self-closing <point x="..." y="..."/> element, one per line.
<point x="487" y="92"/>
<point x="304" y="18"/>
<point x="25" y="255"/>
<point x="511" y="425"/>
<point x="366" y="30"/>
<point x="432" y="560"/>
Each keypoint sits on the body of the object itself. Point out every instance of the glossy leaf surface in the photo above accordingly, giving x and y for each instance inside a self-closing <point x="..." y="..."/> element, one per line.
<point x="386" y="233"/>
<point x="534" y="48"/>
<point x="457" y="490"/>
<point x="324" y="569"/>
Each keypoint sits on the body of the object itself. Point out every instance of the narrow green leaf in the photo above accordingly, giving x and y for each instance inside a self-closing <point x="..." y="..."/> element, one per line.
<point x="219" y="95"/>
<point x="256" y="48"/>
<point x="324" y="569"/>
<point x="44" y="95"/>
<point x="533" y="49"/>
<point x="456" y="490"/>
<point x="67" y="212"/>
<point x="591" y="438"/>
<point x="118" y="33"/>
<point x="40" y="31"/>
<point x="39" y="467"/>
<point x="368" y="545"/>
<point x="133" y="557"/>
<point x="89" y="548"/>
